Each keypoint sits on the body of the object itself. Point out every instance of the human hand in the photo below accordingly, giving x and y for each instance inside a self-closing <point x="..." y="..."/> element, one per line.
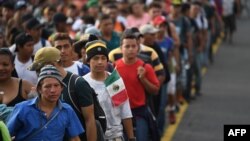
<point x="141" y="72"/>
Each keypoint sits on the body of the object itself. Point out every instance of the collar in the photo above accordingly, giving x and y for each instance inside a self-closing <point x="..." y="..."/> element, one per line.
<point x="34" y="102"/>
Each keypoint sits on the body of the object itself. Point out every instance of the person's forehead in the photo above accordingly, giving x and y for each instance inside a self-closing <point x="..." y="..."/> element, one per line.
<point x="129" y="41"/>
<point x="109" y="20"/>
<point x="29" y="43"/>
<point x="99" y="56"/>
<point x="155" y="9"/>
<point x="5" y="58"/>
<point x="61" y="42"/>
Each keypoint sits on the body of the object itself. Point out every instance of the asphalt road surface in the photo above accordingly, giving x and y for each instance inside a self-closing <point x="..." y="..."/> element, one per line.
<point x="226" y="92"/>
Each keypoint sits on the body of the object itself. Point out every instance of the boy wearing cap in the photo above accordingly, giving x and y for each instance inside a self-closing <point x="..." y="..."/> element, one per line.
<point x="34" y="28"/>
<point x="45" y="117"/>
<point x="97" y="57"/>
<point x="51" y="55"/>
<point x="166" y="44"/>
<point x="79" y="46"/>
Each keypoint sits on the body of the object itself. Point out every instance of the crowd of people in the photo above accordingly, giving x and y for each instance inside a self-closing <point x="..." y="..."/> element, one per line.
<point x="104" y="70"/>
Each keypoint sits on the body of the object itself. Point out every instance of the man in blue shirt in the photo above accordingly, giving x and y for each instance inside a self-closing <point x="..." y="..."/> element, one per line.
<point x="45" y="117"/>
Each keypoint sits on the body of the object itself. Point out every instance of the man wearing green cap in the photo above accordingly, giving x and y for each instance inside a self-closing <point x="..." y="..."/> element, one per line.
<point x="51" y="55"/>
<point x="45" y="117"/>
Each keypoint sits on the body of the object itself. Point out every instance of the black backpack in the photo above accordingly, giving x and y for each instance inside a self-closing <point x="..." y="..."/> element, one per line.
<point x="98" y="111"/>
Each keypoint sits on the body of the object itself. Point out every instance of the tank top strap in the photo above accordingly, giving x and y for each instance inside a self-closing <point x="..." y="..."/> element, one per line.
<point x="20" y="87"/>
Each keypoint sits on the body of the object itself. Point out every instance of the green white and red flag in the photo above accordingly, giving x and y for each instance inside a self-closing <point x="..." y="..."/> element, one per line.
<point x="116" y="88"/>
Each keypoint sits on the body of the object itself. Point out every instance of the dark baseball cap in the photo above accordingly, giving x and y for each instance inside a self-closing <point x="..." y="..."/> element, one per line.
<point x="20" y="4"/>
<point x="26" y="17"/>
<point x="83" y="41"/>
<point x="8" y="4"/>
<point x="33" y="23"/>
<point x="59" y="17"/>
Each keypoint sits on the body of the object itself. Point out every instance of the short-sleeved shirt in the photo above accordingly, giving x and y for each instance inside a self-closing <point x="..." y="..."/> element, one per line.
<point x="116" y="54"/>
<point x="82" y="92"/>
<point x="166" y="45"/>
<point x="5" y="112"/>
<point x="114" y="42"/>
<point x="183" y="26"/>
<point x="78" y="68"/>
<point x="114" y="115"/>
<point x="23" y="72"/>
<point x="135" y="89"/>
<point x="27" y="118"/>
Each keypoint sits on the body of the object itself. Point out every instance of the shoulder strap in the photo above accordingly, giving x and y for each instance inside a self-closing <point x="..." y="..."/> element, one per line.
<point x="43" y="42"/>
<point x="71" y="91"/>
<point x="20" y="87"/>
<point x="44" y="126"/>
<point x="169" y="29"/>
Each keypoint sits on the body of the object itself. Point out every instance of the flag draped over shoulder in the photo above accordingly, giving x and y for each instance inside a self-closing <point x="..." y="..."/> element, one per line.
<point x="116" y="88"/>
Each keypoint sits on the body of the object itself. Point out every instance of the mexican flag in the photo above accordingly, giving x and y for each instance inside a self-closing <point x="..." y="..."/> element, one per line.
<point x="116" y="88"/>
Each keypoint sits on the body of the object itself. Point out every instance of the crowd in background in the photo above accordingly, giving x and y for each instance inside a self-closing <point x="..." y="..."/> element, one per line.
<point x="159" y="48"/>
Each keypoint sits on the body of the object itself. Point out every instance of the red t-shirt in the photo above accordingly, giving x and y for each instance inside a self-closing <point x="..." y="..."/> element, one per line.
<point x="135" y="89"/>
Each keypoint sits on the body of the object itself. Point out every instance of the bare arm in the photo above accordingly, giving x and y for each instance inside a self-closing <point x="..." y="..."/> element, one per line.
<point x="128" y="126"/>
<point x="190" y="46"/>
<point x="27" y="87"/>
<point x="176" y="46"/>
<point x="161" y="78"/>
<point x="75" y="139"/>
<point x="175" y="36"/>
<point x="88" y="114"/>
<point x="150" y="87"/>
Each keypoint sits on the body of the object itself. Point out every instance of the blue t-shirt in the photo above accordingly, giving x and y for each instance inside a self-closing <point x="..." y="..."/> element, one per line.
<point x="167" y="44"/>
<point x="27" y="118"/>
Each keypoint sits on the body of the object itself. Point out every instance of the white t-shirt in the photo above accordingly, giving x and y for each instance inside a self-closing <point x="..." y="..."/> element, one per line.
<point x="227" y="7"/>
<point x="23" y="73"/>
<point x="39" y="45"/>
<point x="74" y="68"/>
<point x="201" y="24"/>
<point x="113" y="114"/>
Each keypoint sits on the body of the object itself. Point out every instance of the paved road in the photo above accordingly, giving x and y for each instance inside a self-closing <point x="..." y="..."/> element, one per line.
<point x="226" y="93"/>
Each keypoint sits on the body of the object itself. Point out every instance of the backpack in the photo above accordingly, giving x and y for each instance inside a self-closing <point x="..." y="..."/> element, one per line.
<point x="98" y="111"/>
<point x="43" y="42"/>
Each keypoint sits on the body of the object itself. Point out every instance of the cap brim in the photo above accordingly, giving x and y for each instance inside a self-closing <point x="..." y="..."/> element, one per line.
<point x="61" y="81"/>
<point x="39" y="26"/>
<point x="33" y="67"/>
<point x="155" y="30"/>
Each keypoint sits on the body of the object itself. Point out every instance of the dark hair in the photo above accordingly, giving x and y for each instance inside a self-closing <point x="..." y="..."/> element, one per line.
<point x="128" y="36"/>
<point x="62" y="36"/>
<point x="185" y="7"/>
<point x="132" y="5"/>
<point x="155" y="4"/>
<point x="111" y="6"/>
<point x="88" y="19"/>
<point x="104" y="17"/>
<point x="72" y="6"/>
<point x="6" y="51"/>
<point x="21" y="39"/>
